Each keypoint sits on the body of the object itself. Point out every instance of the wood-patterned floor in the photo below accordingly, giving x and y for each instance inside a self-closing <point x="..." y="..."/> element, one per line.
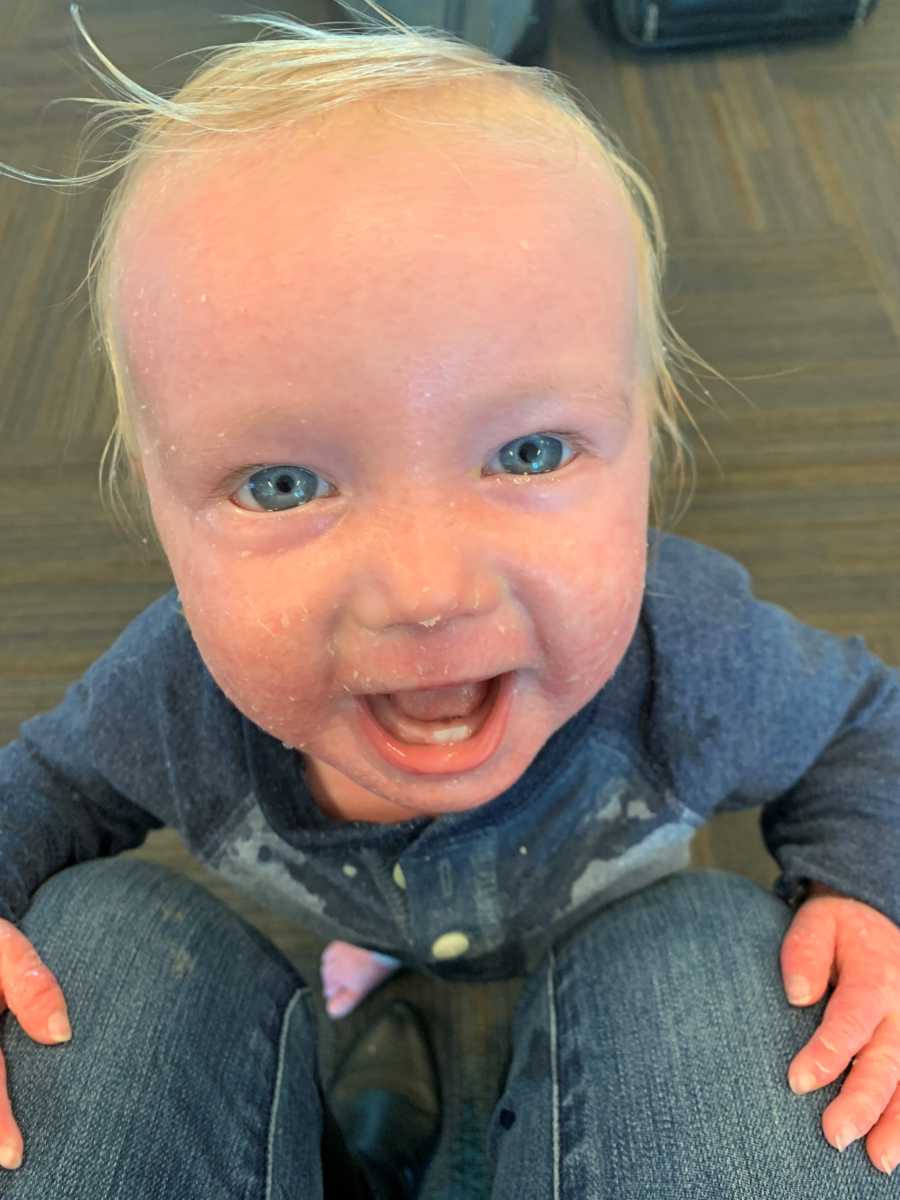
<point x="777" y="169"/>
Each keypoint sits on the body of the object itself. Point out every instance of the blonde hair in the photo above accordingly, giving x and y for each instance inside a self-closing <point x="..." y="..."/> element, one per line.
<point x="266" y="85"/>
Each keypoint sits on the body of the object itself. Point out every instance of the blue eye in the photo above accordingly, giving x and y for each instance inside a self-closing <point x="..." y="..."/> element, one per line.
<point x="532" y="453"/>
<point x="277" y="489"/>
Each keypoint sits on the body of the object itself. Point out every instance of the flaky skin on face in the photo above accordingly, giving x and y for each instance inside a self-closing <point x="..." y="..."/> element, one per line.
<point x="387" y="314"/>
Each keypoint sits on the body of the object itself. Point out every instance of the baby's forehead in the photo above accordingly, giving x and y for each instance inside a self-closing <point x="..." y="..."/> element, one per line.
<point x="258" y="248"/>
<point x="365" y="180"/>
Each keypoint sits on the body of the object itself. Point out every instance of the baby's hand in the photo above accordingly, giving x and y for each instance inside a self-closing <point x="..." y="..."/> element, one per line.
<point x="31" y="993"/>
<point x="842" y="941"/>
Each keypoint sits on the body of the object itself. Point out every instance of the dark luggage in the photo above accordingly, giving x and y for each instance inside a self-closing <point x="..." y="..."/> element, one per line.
<point x="516" y="30"/>
<point x="689" y="24"/>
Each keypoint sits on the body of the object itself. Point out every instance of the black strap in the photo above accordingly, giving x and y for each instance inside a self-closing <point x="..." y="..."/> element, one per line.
<point x="343" y="1178"/>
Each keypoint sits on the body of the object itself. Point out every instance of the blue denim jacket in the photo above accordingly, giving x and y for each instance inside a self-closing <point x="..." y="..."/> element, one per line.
<point x="720" y="702"/>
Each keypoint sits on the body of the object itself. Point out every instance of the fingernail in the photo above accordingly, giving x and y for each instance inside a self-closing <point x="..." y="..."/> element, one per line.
<point x="10" y="1156"/>
<point x="888" y="1164"/>
<point x="58" y="1027"/>
<point x="798" y="989"/>
<point x="802" y="1083"/>
<point x="847" y="1135"/>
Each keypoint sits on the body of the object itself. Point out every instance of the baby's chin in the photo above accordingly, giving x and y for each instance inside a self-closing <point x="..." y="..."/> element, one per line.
<point x="366" y="787"/>
<point x="343" y="799"/>
<point x="378" y="811"/>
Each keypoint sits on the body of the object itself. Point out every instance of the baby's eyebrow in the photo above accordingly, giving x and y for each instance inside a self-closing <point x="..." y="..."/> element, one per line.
<point x="615" y="396"/>
<point x="599" y="399"/>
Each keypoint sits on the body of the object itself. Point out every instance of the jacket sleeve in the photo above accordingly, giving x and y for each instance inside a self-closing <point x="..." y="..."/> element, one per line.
<point x="840" y="823"/>
<point x="753" y="707"/>
<point x="62" y="796"/>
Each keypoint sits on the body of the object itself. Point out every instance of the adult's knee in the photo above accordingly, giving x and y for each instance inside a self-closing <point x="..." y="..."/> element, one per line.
<point x="126" y="910"/>
<point x="708" y="903"/>
<point x="106" y="897"/>
<point x="725" y="906"/>
<point x="688" y="951"/>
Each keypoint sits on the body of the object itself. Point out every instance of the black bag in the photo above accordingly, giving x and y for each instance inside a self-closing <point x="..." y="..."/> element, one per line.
<point x="686" y="24"/>
<point x="517" y="30"/>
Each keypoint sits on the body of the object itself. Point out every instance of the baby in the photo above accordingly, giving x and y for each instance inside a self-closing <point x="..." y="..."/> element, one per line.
<point x="394" y="378"/>
<point x="413" y="509"/>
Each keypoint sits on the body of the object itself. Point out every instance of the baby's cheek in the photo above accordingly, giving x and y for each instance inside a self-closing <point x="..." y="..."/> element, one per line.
<point x="258" y="658"/>
<point x="246" y="659"/>
<point x="619" y="590"/>
<point x="597" y="619"/>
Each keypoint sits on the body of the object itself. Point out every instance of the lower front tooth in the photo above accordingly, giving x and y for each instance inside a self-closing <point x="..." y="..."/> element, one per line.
<point x="458" y="733"/>
<point x="418" y="732"/>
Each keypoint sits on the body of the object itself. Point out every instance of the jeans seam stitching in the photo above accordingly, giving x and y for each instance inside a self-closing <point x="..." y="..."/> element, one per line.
<point x="298" y="995"/>
<point x="554" y="1070"/>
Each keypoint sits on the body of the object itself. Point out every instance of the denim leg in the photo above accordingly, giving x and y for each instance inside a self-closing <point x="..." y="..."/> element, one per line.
<point x="192" y="1066"/>
<point x="650" y="1059"/>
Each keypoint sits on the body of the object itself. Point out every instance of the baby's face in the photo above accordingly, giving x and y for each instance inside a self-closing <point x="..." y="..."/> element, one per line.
<point x="390" y="322"/>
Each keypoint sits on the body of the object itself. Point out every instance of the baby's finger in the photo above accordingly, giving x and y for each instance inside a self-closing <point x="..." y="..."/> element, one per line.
<point x="867" y="1090"/>
<point x="30" y="989"/>
<point x="883" y="1143"/>
<point x="10" y="1138"/>
<point x="852" y="1015"/>
<point x="807" y="954"/>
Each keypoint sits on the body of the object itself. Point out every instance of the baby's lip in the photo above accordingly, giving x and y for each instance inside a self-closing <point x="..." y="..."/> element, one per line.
<point x="439" y="685"/>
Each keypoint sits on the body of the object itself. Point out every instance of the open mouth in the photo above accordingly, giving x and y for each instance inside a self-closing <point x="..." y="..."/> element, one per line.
<point x="450" y="746"/>
<point x="432" y="733"/>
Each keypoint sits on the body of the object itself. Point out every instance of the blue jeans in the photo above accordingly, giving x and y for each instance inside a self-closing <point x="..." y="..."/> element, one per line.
<point x="650" y="1056"/>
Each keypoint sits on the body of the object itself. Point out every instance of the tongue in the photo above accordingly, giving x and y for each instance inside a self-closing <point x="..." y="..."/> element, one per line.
<point x="435" y="704"/>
